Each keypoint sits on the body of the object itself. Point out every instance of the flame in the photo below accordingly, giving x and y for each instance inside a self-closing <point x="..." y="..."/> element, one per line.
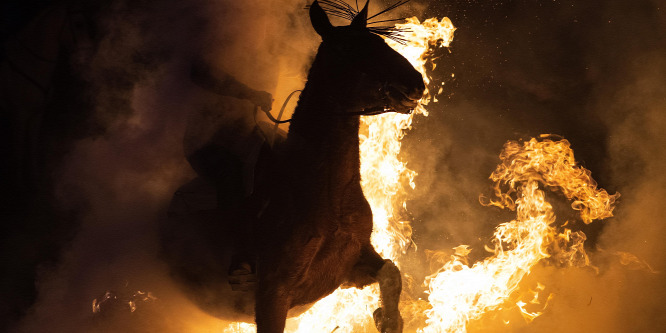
<point x="460" y="293"/>
<point x="382" y="172"/>
<point x="383" y="177"/>
<point x="110" y="297"/>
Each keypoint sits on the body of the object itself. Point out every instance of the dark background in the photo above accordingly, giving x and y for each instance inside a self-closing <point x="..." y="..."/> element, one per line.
<point x="93" y="148"/>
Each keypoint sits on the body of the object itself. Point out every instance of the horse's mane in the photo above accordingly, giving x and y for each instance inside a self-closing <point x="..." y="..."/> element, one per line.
<point x="341" y="9"/>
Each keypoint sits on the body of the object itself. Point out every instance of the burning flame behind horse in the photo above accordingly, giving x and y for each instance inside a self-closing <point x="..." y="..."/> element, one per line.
<point x="311" y="232"/>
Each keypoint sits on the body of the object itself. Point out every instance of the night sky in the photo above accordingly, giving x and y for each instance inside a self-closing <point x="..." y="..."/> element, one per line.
<point x="94" y="142"/>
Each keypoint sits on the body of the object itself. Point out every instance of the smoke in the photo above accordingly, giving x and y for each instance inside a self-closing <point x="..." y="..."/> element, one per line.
<point x="120" y="180"/>
<point x="592" y="72"/>
<point x="626" y="293"/>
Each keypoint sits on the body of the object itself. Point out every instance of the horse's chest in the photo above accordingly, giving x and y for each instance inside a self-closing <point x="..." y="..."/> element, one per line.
<point x="331" y="266"/>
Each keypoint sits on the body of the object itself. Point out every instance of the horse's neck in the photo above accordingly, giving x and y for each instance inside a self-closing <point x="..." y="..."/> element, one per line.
<point x="323" y="141"/>
<point x="321" y="152"/>
<point x="324" y="133"/>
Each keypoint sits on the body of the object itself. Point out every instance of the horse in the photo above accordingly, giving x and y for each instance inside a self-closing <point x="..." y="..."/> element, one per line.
<point x="311" y="234"/>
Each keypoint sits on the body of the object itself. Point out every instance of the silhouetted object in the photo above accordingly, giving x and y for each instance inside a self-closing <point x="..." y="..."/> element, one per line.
<point x="224" y="148"/>
<point x="219" y="159"/>
<point x="219" y="82"/>
<point x="312" y="234"/>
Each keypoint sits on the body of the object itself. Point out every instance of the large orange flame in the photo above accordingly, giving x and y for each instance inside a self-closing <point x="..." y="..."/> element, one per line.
<point x="458" y="292"/>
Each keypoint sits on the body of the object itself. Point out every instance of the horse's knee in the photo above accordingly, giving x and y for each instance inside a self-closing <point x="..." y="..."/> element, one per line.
<point x="389" y="278"/>
<point x="366" y="270"/>
<point x="388" y="269"/>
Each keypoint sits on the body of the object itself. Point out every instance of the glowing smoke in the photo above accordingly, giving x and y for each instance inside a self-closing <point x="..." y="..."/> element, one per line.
<point x="592" y="73"/>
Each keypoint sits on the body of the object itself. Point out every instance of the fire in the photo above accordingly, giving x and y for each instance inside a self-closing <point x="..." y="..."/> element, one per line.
<point x="382" y="172"/>
<point x="383" y="176"/>
<point x="460" y="293"/>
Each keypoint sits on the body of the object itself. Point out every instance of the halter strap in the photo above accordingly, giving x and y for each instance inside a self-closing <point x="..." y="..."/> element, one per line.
<point x="365" y="112"/>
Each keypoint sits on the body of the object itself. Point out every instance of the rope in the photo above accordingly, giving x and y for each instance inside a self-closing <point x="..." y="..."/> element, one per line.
<point x="284" y="105"/>
<point x="365" y="112"/>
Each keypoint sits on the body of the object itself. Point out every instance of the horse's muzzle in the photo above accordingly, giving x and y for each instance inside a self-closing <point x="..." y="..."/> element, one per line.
<point x="403" y="101"/>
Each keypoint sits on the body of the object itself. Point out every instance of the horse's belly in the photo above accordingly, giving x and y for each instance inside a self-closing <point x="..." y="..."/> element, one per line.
<point x="197" y="246"/>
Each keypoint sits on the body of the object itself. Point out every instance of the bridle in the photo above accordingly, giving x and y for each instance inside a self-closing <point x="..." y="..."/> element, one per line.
<point x="373" y="111"/>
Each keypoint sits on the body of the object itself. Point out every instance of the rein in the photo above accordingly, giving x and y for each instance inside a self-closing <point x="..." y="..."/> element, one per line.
<point x="365" y="112"/>
<point x="278" y="121"/>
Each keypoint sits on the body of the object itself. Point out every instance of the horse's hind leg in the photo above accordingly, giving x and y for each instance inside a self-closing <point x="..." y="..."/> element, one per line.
<point x="372" y="268"/>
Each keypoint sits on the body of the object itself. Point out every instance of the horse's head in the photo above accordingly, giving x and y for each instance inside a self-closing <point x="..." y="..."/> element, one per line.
<point x="362" y="71"/>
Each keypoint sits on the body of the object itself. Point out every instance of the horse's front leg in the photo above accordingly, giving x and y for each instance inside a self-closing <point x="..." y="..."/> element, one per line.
<point x="373" y="268"/>
<point x="271" y="307"/>
<point x="387" y="318"/>
<point x="279" y="274"/>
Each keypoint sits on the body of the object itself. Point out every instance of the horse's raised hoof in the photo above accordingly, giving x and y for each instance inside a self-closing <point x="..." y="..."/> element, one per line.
<point x="387" y="323"/>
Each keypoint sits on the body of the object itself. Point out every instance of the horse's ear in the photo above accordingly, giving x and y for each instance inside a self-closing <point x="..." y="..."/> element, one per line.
<point x="319" y="20"/>
<point x="361" y="19"/>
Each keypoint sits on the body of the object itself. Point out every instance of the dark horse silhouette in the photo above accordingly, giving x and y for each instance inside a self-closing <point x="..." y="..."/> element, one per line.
<point x="313" y="230"/>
